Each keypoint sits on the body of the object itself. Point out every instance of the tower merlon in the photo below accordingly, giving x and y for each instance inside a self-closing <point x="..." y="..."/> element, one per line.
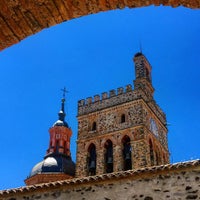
<point x="108" y="99"/>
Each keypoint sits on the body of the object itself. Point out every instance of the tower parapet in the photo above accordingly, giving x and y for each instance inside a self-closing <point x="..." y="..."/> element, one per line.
<point x="116" y="97"/>
<point x="107" y="99"/>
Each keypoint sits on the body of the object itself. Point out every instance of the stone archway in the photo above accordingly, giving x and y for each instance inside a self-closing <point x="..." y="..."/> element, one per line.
<point x="21" y="18"/>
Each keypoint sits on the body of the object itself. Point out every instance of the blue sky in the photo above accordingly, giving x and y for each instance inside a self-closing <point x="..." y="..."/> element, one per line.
<point x="88" y="56"/>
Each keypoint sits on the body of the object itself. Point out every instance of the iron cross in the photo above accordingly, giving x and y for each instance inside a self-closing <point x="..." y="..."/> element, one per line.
<point x="64" y="92"/>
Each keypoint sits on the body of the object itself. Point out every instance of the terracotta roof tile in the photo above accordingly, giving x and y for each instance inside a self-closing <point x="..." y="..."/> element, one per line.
<point x="101" y="177"/>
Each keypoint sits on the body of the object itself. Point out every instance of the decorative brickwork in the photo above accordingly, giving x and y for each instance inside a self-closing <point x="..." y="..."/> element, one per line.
<point x="47" y="178"/>
<point x="20" y="19"/>
<point x="128" y="119"/>
<point x="59" y="140"/>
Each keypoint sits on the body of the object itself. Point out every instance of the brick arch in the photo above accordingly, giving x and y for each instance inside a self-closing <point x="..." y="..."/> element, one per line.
<point x="95" y="142"/>
<point x="130" y="135"/>
<point x="112" y="139"/>
<point x="20" y="19"/>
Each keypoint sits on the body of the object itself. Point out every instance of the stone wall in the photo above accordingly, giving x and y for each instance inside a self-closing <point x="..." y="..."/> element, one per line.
<point x="109" y="120"/>
<point x="109" y="127"/>
<point x="174" y="182"/>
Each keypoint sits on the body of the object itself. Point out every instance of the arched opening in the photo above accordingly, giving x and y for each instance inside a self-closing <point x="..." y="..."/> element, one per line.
<point x="57" y="146"/>
<point x="94" y="126"/>
<point x="127" y="153"/>
<point x="91" y="160"/>
<point x="65" y="147"/>
<point x="108" y="156"/>
<point x="123" y="118"/>
<point x="157" y="158"/>
<point x="151" y="152"/>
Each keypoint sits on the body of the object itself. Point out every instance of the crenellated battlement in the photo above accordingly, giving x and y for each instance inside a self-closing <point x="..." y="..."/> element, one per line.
<point x="105" y="95"/>
<point x="108" y="99"/>
<point x="116" y="97"/>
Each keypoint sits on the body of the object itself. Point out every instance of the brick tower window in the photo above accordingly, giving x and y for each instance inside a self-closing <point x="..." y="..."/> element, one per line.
<point x="127" y="153"/>
<point x="151" y="152"/>
<point x="123" y="118"/>
<point x="108" y="156"/>
<point x="91" y="160"/>
<point x="94" y="126"/>
<point x="157" y="158"/>
<point x="57" y="146"/>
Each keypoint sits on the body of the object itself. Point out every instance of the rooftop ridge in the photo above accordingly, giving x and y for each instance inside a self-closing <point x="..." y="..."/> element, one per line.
<point x="114" y="175"/>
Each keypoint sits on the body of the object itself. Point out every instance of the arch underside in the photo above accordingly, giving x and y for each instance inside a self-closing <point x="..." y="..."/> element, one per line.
<point x="21" y="18"/>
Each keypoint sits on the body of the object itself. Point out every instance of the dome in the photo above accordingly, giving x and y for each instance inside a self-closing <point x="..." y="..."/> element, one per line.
<point x="54" y="163"/>
<point x="60" y="123"/>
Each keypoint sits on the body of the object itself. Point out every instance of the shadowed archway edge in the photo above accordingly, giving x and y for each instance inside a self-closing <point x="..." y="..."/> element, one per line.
<point x="21" y="18"/>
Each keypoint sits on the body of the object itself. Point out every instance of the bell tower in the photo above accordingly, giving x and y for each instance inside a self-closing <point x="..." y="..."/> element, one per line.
<point x="57" y="164"/>
<point x="122" y="129"/>
<point x="143" y="75"/>
<point x="60" y="135"/>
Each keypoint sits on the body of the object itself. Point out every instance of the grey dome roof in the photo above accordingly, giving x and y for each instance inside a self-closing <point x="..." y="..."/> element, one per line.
<point x="60" y="123"/>
<point x="54" y="163"/>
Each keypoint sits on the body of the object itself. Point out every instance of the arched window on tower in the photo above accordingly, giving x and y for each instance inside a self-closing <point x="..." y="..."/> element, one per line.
<point x="108" y="156"/>
<point x="65" y="148"/>
<point x="165" y="159"/>
<point x="127" y="153"/>
<point x="57" y="146"/>
<point x="123" y="118"/>
<point x="151" y="152"/>
<point x="94" y="126"/>
<point x="91" y="160"/>
<point x="157" y="158"/>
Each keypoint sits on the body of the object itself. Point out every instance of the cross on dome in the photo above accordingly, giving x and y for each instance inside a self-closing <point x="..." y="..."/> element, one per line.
<point x="64" y="92"/>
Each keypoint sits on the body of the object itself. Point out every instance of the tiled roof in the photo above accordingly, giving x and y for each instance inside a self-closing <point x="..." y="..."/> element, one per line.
<point x="114" y="175"/>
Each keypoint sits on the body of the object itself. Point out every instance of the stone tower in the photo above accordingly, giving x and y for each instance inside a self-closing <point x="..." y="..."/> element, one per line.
<point x="57" y="164"/>
<point x="122" y="130"/>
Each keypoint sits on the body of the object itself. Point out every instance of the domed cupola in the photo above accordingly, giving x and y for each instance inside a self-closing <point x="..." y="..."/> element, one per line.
<point x="57" y="164"/>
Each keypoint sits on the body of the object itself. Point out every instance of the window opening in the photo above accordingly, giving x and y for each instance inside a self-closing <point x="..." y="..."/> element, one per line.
<point x="108" y="156"/>
<point x="123" y="119"/>
<point x="151" y="152"/>
<point x="127" y="153"/>
<point x="94" y="126"/>
<point x="65" y="148"/>
<point x="92" y="160"/>
<point x="157" y="159"/>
